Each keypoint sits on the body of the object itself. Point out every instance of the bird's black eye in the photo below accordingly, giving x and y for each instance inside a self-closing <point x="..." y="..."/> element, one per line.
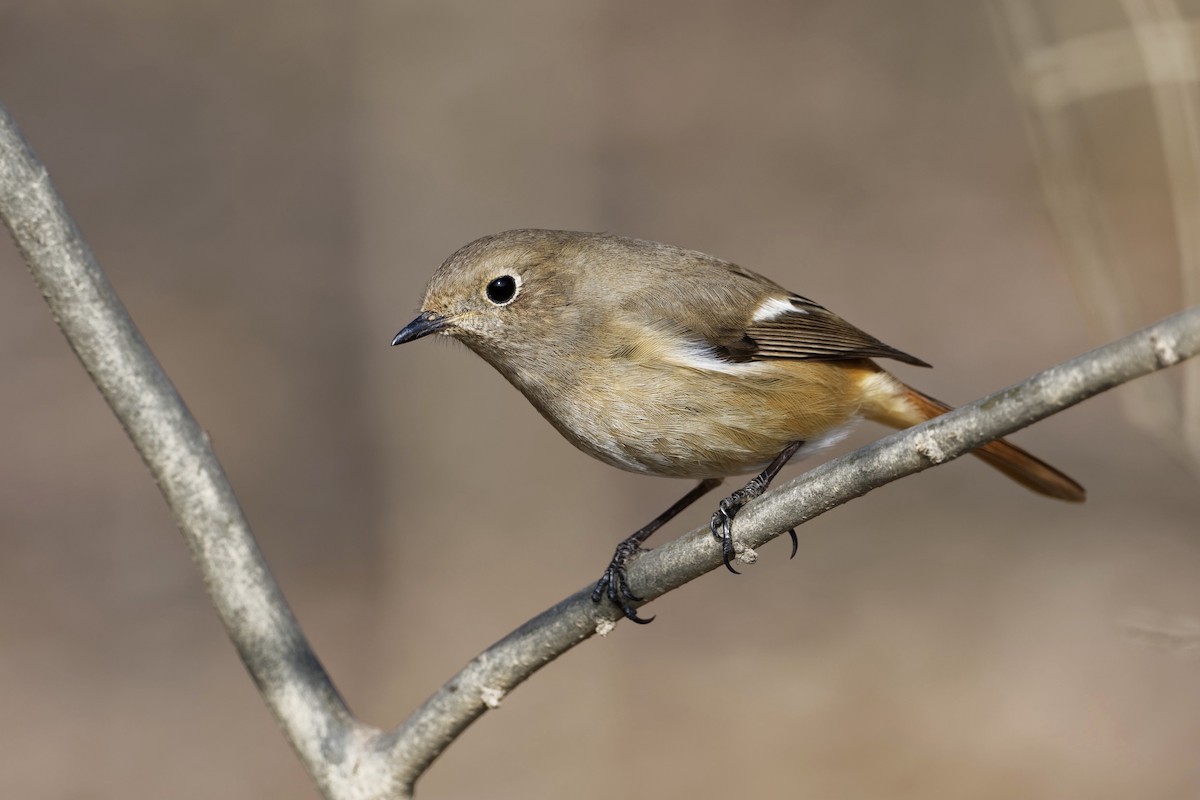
<point x="502" y="290"/>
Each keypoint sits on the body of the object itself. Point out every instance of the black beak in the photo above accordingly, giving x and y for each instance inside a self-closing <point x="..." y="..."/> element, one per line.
<point x="425" y="324"/>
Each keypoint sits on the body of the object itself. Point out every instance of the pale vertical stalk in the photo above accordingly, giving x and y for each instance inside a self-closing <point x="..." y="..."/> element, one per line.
<point x="1166" y="43"/>
<point x="1053" y="75"/>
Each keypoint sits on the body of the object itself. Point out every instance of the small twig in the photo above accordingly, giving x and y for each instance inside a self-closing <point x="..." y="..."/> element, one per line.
<point x="354" y="761"/>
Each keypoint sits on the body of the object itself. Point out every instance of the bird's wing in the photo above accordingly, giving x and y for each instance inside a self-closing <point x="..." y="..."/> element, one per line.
<point x="722" y="312"/>
<point x="796" y="327"/>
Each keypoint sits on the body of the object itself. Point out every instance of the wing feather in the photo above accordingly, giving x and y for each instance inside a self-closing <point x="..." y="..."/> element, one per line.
<point x="740" y="316"/>
<point x="810" y="331"/>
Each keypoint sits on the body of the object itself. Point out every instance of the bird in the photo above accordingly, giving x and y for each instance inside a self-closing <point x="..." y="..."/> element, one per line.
<point x="665" y="361"/>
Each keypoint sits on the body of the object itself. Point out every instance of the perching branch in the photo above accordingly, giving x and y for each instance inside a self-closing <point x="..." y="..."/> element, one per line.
<point x="346" y="758"/>
<point x="510" y="661"/>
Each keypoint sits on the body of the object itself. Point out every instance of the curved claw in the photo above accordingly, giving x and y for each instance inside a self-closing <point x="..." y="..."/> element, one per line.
<point x="632" y="615"/>
<point x="795" y="542"/>
<point x="619" y="593"/>
<point x="721" y="527"/>
<point x="728" y="554"/>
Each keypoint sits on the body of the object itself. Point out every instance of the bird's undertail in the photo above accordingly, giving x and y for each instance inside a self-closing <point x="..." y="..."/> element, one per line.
<point x="893" y="403"/>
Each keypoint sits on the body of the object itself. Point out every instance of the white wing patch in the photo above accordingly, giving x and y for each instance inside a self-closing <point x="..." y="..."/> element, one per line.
<point x="698" y="356"/>
<point x="774" y="307"/>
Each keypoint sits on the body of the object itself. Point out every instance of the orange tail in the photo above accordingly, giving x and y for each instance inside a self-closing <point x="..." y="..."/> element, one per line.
<point x="893" y="403"/>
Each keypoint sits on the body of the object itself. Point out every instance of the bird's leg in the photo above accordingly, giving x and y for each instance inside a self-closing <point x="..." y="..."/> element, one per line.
<point x="614" y="583"/>
<point x="722" y="519"/>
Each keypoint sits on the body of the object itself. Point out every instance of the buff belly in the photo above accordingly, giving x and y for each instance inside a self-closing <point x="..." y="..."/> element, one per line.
<point x="675" y="423"/>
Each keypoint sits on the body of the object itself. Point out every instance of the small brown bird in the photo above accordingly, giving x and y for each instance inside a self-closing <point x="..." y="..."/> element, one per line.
<point x="665" y="361"/>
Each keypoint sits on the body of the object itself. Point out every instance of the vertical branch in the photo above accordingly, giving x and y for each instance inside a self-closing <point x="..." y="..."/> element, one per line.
<point x="180" y="456"/>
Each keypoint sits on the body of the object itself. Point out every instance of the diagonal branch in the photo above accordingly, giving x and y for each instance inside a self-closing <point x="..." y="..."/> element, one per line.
<point x="347" y="758"/>
<point x="523" y="652"/>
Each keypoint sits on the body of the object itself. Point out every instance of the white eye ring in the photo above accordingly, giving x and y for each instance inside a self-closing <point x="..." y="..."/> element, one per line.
<point x="502" y="290"/>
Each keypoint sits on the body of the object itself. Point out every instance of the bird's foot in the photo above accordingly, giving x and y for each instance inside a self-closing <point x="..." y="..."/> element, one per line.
<point x="721" y="524"/>
<point x="614" y="583"/>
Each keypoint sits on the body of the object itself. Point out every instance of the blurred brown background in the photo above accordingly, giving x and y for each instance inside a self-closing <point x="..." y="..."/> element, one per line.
<point x="269" y="185"/>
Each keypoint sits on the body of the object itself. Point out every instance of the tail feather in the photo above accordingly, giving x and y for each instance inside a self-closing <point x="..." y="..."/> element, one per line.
<point x="896" y="404"/>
